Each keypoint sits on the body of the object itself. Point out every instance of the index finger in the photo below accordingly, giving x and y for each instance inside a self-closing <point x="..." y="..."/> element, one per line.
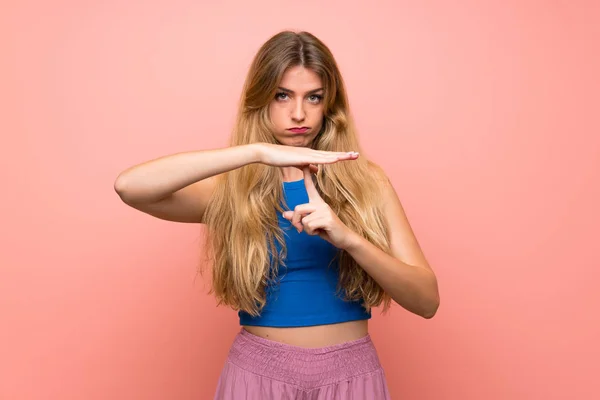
<point x="311" y="189"/>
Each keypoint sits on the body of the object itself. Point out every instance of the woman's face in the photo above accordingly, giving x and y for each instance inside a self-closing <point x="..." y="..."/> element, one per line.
<point x="296" y="112"/>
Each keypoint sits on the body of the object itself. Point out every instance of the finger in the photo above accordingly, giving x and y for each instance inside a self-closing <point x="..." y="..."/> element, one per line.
<point x="312" y="225"/>
<point x="338" y="153"/>
<point x="347" y="156"/>
<point x="336" y="158"/>
<point x="313" y="194"/>
<point x="313" y="168"/>
<point x="289" y="215"/>
<point x="350" y="154"/>
<point x="295" y="217"/>
<point x="299" y="212"/>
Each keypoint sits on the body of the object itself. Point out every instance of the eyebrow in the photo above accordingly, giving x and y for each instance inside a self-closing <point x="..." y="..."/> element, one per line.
<point x="292" y="92"/>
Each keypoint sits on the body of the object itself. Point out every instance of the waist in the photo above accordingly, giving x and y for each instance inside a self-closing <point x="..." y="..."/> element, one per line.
<point x="307" y="368"/>
<point x="313" y="336"/>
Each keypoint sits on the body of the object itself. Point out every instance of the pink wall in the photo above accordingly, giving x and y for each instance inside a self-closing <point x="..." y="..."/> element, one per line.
<point x="484" y="114"/>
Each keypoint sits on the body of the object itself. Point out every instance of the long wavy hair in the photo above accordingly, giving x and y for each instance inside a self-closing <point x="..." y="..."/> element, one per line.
<point x="241" y="217"/>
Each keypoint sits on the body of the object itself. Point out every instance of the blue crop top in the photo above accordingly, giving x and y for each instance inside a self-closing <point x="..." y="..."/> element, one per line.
<point x="305" y="293"/>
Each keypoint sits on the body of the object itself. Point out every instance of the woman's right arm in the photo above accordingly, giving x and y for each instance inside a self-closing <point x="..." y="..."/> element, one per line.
<point x="178" y="187"/>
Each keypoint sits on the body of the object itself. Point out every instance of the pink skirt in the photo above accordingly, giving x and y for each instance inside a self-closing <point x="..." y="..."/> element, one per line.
<point x="262" y="369"/>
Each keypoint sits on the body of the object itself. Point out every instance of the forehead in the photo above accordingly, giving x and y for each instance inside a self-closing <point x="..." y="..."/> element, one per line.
<point x="300" y="79"/>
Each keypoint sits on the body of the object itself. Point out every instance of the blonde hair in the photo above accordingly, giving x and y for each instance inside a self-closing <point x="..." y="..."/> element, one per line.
<point x="241" y="217"/>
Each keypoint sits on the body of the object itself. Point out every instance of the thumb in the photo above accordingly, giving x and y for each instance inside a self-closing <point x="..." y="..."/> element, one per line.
<point x="313" y="194"/>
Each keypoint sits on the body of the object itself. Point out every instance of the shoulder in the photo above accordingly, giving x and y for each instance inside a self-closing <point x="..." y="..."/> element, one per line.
<point x="389" y="196"/>
<point x="378" y="174"/>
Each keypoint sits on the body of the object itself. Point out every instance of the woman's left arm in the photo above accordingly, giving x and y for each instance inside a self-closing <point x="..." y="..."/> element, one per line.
<point x="405" y="275"/>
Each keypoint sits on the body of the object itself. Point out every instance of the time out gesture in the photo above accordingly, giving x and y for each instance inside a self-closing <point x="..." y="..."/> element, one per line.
<point x="314" y="217"/>
<point x="317" y="218"/>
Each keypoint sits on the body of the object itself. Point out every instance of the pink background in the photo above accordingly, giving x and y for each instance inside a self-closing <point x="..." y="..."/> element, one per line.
<point x="484" y="114"/>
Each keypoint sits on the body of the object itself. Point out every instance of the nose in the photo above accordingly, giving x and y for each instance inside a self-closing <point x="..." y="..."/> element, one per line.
<point x="298" y="113"/>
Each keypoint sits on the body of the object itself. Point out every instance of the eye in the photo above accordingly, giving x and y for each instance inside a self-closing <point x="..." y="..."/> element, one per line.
<point x="281" y="96"/>
<point x="315" y="98"/>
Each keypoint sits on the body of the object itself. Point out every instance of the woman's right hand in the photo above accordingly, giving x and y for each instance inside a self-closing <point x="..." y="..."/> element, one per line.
<point x="277" y="155"/>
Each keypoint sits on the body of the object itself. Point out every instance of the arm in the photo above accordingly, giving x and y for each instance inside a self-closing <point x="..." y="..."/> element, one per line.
<point x="178" y="187"/>
<point x="406" y="274"/>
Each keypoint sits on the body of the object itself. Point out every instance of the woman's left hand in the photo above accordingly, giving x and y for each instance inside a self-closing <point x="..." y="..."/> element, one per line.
<point x="317" y="218"/>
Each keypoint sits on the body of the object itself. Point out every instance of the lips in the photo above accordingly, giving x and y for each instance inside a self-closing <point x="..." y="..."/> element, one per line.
<point x="302" y="129"/>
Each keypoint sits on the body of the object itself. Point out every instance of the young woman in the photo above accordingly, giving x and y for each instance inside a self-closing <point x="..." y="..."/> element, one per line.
<point x="305" y="236"/>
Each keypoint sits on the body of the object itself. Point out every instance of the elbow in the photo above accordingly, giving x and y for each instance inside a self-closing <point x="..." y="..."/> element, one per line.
<point x="120" y="186"/>
<point x="430" y="313"/>
<point x="432" y="303"/>
<point x="431" y="308"/>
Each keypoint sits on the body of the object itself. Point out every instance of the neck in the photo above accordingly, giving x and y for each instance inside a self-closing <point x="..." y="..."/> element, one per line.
<point x="291" y="174"/>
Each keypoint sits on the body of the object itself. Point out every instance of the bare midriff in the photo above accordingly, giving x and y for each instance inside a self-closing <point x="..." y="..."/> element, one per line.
<point x="313" y="336"/>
